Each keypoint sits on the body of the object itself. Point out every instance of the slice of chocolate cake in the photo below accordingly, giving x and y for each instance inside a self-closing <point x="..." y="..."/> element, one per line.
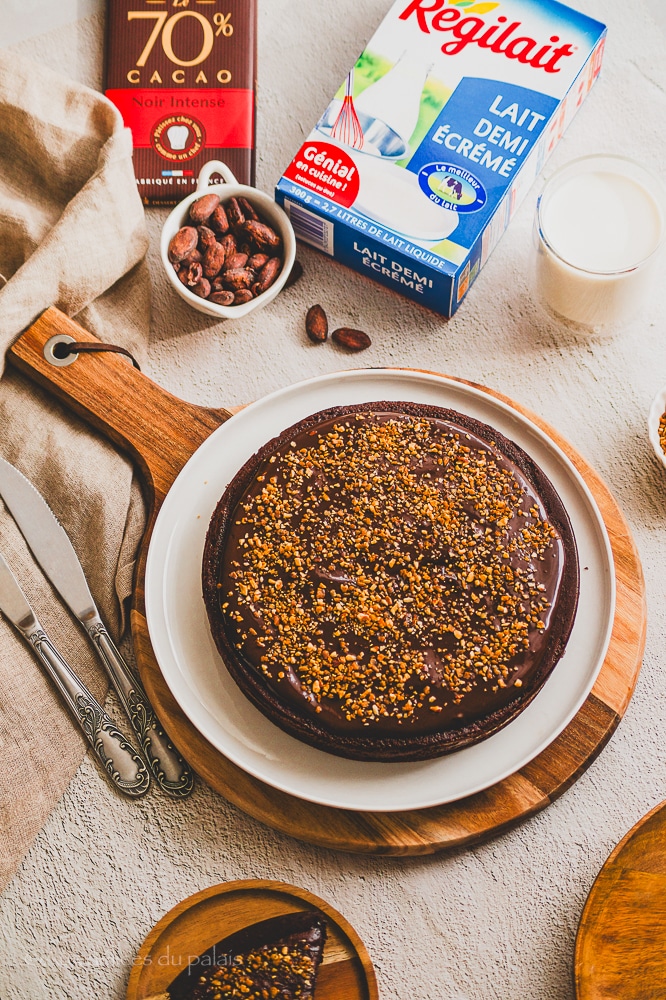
<point x="390" y="581"/>
<point x="275" y="959"/>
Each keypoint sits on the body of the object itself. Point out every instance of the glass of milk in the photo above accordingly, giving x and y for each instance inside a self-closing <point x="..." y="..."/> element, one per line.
<point x="599" y="229"/>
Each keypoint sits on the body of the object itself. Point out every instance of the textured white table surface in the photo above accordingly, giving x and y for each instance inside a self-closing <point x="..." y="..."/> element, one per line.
<point x="497" y="921"/>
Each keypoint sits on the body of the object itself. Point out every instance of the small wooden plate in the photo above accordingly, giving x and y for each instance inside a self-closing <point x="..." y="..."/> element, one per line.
<point x="200" y="921"/>
<point x="621" y="942"/>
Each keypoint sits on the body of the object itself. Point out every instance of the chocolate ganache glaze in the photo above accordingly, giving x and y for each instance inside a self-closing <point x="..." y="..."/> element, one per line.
<point x="277" y="958"/>
<point x="390" y="581"/>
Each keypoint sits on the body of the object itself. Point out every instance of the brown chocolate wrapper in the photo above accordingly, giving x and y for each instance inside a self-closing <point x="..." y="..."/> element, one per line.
<point x="183" y="75"/>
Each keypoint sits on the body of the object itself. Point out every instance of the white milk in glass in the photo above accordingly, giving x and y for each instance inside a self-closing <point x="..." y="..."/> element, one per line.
<point x="600" y="224"/>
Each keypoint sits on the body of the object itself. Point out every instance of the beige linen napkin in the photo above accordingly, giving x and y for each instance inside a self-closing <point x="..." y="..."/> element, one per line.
<point x="72" y="234"/>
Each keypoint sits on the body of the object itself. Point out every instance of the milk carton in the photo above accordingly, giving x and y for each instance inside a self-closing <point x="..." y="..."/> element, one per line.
<point x="418" y="164"/>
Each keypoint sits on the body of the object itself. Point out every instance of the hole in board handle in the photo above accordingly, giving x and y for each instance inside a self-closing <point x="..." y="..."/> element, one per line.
<point x="55" y="351"/>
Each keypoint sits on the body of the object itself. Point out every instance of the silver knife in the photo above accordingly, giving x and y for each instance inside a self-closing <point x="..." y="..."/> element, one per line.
<point x="121" y="762"/>
<point x="55" y="553"/>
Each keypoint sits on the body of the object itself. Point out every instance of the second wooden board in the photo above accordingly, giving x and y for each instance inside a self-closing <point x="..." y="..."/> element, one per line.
<point x="621" y="943"/>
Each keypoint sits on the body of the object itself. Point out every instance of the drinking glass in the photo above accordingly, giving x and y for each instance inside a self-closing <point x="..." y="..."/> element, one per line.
<point x="598" y="233"/>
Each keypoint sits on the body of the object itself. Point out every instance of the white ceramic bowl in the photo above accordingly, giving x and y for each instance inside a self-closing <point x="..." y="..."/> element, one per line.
<point x="265" y="206"/>
<point x="657" y="410"/>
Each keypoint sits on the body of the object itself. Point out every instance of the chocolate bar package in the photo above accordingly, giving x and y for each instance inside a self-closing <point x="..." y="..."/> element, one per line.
<point x="183" y="75"/>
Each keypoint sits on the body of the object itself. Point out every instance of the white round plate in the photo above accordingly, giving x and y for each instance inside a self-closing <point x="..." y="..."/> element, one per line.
<point x="203" y="688"/>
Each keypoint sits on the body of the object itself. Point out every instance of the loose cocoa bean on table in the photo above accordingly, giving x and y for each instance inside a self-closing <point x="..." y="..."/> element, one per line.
<point x="226" y="253"/>
<point x="316" y="327"/>
<point x="353" y="340"/>
<point x="316" y="324"/>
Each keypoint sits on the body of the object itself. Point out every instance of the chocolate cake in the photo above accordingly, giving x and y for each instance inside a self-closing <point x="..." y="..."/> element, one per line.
<point x="274" y="959"/>
<point x="390" y="581"/>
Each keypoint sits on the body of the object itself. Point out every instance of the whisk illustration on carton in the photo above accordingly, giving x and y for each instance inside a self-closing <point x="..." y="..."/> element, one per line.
<point x="347" y="128"/>
<point x="382" y="118"/>
<point x="417" y="165"/>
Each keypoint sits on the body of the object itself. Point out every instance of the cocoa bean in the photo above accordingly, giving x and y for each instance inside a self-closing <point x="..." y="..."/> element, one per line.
<point x="257" y="261"/>
<point x="222" y="297"/>
<point x="316" y="324"/>
<point x="194" y="258"/>
<point x="217" y="284"/>
<point x="246" y="248"/>
<point x="248" y="210"/>
<point x="234" y="213"/>
<point x="294" y="275"/>
<point x="236" y="260"/>
<point x="262" y="235"/>
<point x="219" y="220"/>
<point x="242" y="296"/>
<point x="353" y="340"/>
<point x="194" y="274"/>
<point x="202" y="288"/>
<point x="203" y="208"/>
<point x="229" y="244"/>
<point x="183" y="243"/>
<point x="213" y="261"/>
<point x="269" y="273"/>
<point x="238" y="278"/>
<point x="206" y="237"/>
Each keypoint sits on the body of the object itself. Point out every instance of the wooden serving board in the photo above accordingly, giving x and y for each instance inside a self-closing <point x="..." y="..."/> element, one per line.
<point x="199" y="922"/>
<point x="621" y="942"/>
<point x="161" y="432"/>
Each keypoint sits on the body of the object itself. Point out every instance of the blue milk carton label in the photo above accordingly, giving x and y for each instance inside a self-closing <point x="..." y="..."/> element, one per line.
<point x="419" y="162"/>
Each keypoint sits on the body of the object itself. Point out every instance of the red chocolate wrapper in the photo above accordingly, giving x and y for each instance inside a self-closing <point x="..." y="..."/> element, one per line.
<point x="183" y="74"/>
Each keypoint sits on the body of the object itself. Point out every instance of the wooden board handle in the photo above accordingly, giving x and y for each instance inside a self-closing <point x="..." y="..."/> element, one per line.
<point x="157" y="429"/>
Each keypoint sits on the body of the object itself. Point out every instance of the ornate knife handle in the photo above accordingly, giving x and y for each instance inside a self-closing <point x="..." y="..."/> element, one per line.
<point x="119" y="759"/>
<point x="169" y="769"/>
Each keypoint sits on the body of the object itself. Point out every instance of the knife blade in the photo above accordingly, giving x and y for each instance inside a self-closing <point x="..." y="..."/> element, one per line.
<point x="121" y="762"/>
<point x="53" y="550"/>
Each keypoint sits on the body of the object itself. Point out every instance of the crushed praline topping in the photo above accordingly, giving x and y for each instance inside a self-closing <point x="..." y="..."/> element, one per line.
<point x="387" y="565"/>
<point x="270" y="973"/>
